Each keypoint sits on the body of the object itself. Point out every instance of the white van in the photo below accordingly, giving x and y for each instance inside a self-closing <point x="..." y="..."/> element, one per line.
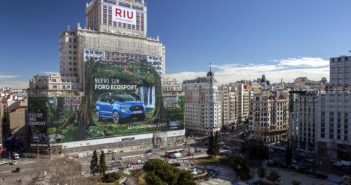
<point x="177" y="155"/>
<point x="15" y="155"/>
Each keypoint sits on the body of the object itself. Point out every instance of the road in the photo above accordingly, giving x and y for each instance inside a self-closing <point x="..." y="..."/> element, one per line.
<point x="130" y="155"/>
<point x="29" y="169"/>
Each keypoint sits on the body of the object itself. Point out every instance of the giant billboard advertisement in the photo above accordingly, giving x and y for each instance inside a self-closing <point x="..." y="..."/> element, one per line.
<point x="120" y="99"/>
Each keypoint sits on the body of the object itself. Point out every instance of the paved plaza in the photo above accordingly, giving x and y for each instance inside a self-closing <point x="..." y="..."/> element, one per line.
<point x="224" y="175"/>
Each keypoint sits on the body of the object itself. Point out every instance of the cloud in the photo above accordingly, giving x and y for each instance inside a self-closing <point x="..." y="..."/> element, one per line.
<point x="15" y="84"/>
<point x="287" y="69"/>
<point x="49" y="73"/>
<point x="13" y="81"/>
<point x="305" y="62"/>
<point x="6" y="77"/>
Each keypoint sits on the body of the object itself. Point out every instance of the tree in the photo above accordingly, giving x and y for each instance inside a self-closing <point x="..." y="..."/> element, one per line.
<point x="295" y="182"/>
<point x="111" y="177"/>
<point x="261" y="172"/>
<point x="185" y="177"/>
<point x="216" y="144"/>
<point x="160" y="172"/>
<point x="94" y="166"/>
<point x="288" y="155"/>
<point x="60" y="171"/>
<point x="210" y="149"/>
<point x="152" y="179"/>
<point x="102" y="166"/>
<point x="213" y="146"/>
<point x="256" y="150"/>
<point x="273" y="176"/>
<point x="240" y="167"/>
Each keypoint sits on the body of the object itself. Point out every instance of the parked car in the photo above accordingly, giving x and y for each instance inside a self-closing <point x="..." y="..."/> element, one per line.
<point x="13" y="162"/>
<point x="119" y="107"/>
<point x="16" y="170"/>
<point x="15" y="156"/>
<point x="342" y="163"/>
<point x="176" y="155"/>
<point x="118" y="165"/>
<point x="3" y="163"/>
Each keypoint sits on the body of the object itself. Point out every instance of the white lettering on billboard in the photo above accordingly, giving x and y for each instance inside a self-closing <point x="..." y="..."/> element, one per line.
<point x="123" y="15"/>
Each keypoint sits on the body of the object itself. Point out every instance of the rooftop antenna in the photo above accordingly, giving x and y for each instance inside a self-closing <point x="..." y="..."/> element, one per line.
<point x="210" y="66"/>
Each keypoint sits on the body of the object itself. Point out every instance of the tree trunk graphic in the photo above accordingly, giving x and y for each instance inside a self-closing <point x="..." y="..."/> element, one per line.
<point x="84" y="117"/>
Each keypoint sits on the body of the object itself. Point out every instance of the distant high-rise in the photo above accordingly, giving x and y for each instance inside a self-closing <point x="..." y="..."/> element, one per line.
<point x="2" y="115"/>
<point x="117" y="16"/>
<point x="116" y="30"/>
<point x="340" y="71"/>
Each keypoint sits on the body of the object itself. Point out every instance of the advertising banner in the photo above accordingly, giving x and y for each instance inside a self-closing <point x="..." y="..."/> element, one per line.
<point x="120" y="99"/>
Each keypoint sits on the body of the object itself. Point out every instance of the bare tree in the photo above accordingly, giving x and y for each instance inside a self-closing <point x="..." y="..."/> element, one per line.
<point x="62" y="171"/>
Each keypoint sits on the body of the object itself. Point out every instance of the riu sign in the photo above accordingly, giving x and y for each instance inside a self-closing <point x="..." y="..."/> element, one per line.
<point x="124" y="15"/>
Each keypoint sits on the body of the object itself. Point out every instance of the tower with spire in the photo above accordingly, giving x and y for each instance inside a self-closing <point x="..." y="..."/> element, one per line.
<point x="210" y="73"/>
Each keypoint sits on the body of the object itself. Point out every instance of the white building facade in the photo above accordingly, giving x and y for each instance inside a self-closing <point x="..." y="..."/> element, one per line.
<point x="229" y="105"/>
<point x="202" y="109"/>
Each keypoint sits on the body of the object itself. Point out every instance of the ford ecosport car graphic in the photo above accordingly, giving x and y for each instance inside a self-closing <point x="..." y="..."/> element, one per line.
<point x="119" y="107"/>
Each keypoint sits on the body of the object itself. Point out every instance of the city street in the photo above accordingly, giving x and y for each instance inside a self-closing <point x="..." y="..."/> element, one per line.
<point x="289" y="176"/>
<point x="28" y="170"/>
<point x="130" y="155"/>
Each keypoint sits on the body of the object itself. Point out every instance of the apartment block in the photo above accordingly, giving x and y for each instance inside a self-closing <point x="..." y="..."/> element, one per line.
<point x="334" y="129"/>
<point x="2" y="116"/>
<point x="340" y="68"/>
<point x="171" y="92"/>
<point x="202" y="109"/>
<point x="269" y="116"/>
<point x="53" y="85"/>
<point x="229" y="105"/>
<point x="303" y="120"/>
<point x="244" y="96"/>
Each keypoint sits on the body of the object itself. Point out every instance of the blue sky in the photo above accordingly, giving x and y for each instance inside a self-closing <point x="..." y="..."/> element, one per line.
<point x="235" y="35"/>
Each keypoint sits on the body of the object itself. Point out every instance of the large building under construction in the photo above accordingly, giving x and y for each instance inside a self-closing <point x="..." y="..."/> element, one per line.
<point x="115" y="33"/>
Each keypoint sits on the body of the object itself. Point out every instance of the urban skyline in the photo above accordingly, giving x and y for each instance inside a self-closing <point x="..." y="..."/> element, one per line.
<point x="280" y="48"/>
<point x="180" y="93"/>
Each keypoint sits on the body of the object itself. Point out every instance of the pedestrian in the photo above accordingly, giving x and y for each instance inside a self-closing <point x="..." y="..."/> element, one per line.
<point x="3" y="179"/>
